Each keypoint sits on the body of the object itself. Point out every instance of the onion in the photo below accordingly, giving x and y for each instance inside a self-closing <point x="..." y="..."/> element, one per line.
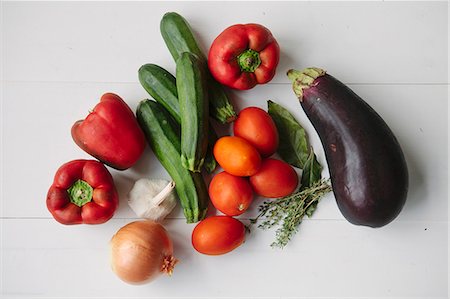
<point x="141" y="251"/>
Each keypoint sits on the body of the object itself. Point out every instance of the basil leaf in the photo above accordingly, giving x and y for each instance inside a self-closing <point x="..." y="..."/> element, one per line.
<point x="293" y="142"/>
<point x="312" y="171"/>
<point x="294" y="149"/>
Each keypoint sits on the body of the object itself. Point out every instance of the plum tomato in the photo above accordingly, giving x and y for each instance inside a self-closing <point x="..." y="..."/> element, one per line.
<point x="232" y="195"/>
<point x="275" y="178"/>
<point x="257" y="127"/>
<point x="237" y="156"/>
<point x="217" y="235"/>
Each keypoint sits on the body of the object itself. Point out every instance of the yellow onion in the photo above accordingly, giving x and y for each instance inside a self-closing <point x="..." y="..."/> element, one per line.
<point x="141" y="251"/>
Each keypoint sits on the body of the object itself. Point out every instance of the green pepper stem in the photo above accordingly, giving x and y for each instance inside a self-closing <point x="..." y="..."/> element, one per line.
<point x="249" y="60"/>
<point x="80" y="193"/>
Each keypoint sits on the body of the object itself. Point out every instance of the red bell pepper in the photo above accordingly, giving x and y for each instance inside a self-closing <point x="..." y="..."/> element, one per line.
<point x="111" y="133"/>
<point x="243" y="56"/>
<point x="83" y="191"/>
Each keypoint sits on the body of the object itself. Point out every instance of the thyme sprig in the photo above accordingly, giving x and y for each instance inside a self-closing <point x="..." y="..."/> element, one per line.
<point x="288" y="211"/>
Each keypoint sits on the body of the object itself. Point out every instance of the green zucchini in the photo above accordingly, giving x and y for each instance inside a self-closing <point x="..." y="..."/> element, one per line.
<point x="162" y="135"/>
<point x="193" y="98"/>
<point x="210" y="163"/>
<point x="179" y="38"/>
<point x="161" y="85"/>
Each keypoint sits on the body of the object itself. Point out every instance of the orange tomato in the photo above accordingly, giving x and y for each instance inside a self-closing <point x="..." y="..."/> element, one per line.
<point x="237" y="156"/>
<point x="218" y="235"/>
<point x="257" y="127"/>
<point x="232" y="195"/>
<point x="275" y="178"/>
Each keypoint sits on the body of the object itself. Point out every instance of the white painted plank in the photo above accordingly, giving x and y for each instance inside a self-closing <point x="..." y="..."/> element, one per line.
<point x="362" y="42"/>
<point x="58" y="58"/>
<point x="326" y="259"/>
<point x="38" y="117"/>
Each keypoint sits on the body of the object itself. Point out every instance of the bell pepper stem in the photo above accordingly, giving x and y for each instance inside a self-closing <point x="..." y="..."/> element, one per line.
<point x="80" y="193"/>
<point x="249" y="60"/>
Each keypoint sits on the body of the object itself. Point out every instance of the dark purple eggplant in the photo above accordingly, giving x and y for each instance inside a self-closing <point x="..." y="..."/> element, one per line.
<point x="367" y="167"/>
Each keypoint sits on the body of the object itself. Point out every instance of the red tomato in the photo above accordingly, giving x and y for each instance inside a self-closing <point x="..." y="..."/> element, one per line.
<point x="218" y="235"/>
<point x="275" y="178"/>
<point x="257" y="127"/>
<point x="232" y="195"/>
<point x="237" y="156"/>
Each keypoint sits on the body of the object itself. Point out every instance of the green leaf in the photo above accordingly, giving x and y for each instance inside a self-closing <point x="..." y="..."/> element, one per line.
<point x="312" y="171"/>
<point x="310" y="210"/>
<point x="293" y="143"/>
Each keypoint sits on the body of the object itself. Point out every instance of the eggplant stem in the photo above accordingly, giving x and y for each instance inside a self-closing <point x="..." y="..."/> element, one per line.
<point x="304" y="79"/>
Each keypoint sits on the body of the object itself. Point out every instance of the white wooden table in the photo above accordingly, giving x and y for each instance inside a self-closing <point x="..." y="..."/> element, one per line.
<point x="59" y="58"/>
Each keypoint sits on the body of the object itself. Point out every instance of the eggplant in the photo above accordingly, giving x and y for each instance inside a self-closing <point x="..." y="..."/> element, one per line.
<point x="367" y="167"/>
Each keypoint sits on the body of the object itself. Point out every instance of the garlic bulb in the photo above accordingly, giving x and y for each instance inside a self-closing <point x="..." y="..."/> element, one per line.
<point x="152" y="199"/>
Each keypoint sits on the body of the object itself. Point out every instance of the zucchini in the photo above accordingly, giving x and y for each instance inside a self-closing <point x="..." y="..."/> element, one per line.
<point x="179" y="38"/>
<point x="164" y="140"/>
<point x="193" y="98"/>
<point x="161" y="85"/>
<point x="210" y="163"/>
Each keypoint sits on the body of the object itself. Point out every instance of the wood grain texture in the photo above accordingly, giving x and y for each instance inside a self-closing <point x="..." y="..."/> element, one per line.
<point x="369" y="42"/>
<point x="330" y="258"/>
<point x="59" y="58"/>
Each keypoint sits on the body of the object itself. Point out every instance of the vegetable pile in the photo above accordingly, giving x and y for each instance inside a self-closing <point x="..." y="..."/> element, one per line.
<point x="267" y="153"/>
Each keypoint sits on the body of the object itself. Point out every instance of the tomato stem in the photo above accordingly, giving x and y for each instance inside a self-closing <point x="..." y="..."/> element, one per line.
<point x="249" y="60"/>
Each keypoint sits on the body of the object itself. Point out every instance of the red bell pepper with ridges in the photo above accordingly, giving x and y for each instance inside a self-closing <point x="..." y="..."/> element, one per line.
<point x="83" y="191"/>
<point x="111" y="133"/>
<point x="244" y="55"/>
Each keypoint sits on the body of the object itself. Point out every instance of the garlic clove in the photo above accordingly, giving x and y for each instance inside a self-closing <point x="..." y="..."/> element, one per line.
<point x="152" y="198"/>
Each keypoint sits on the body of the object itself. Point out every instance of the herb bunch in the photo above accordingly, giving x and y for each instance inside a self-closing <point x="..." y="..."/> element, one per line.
<point x="288" y="211"/>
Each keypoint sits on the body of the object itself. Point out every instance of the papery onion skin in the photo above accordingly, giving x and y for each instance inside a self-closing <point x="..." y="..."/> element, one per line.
<point x="141" y="251"/>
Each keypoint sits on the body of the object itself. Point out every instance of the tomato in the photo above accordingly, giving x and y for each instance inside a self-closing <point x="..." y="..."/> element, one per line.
<point x="232" y="195"/>
<point x="257" y="127"/>
<point x="275" y="178"/>
<point x="218" y="235"/>
<point x="237" y="156"/>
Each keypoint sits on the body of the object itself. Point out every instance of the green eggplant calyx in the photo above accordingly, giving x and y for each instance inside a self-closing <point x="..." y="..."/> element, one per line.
<point x="304" y="79"/>
<point x="80" y="193"/>
<point x="249" y="60"/>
